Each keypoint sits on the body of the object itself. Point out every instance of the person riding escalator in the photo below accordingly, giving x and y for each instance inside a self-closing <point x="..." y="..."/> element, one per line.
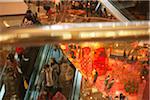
<point x="48" y="84"/>
<point x="13" y="79"/>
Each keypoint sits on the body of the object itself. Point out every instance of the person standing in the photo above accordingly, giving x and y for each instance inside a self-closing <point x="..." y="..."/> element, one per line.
<point x="46" y="7"/>
<point x="49" y="13"/>
<point x="46" y="82"/>
<point x="56" y="53"/>
<point x="55" y="72"/>
<point x="105" y="12"/>
<point x="38" y="5"/>
<point x="122" y="97"/>
<point x="95" y="76"/>
<point x="13" y="80"/>
<point x="106" y="80"/>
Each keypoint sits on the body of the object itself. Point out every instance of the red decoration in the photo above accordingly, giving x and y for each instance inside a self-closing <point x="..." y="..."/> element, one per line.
<point x="99" y="61"/>
<point x="86" y="60"/>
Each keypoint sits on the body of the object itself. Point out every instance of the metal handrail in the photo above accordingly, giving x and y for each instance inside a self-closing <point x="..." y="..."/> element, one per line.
<point x="76" y="32"/>
<point x="114" y="11"/>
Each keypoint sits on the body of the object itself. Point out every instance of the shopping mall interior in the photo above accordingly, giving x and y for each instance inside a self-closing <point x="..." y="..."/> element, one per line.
<point x="74" y="49"/>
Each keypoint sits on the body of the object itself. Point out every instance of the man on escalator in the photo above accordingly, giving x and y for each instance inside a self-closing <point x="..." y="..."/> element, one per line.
<point x="13" y="79"/>
<point x="66" y="76"/>
<point x="19" y="54"/>
<point x="49" y="80"/>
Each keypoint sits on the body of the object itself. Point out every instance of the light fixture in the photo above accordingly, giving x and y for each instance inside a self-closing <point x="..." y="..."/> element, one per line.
<point x="117" y="92"/>
<point x="117" y="44"/>
<point x="67" y="36"/>
<point x="6" y="24"/>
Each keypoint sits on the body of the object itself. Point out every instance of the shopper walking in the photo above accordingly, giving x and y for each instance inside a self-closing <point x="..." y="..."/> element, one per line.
<point x="106" y="80"/>
<point x="122" y="97"/>
<point x="95" y="76"/>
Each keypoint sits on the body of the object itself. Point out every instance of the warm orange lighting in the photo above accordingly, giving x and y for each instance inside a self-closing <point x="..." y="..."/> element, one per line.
<point x="67" y="36"/>
<point x="117" y="92"/>
<point x="117" y="44"/>
<point x="6" y="24"/>
<point x="63" y="47"/>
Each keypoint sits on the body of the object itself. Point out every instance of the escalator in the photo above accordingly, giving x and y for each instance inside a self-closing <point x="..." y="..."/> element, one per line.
<point x="41" y="58"/>
<point x="46" y="52"/>
<point x="133" y="10"/>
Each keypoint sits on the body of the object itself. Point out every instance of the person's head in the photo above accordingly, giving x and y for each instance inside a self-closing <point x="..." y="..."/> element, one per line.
<point x="121" y="94"/>
<point x="29" y="11"/>
<point x="61" y="60"/>
<point x="55" y="47"/>
<point x="116" y="96"/>
<point x="52" y="61"/>
<point x="28" y="15"/>
<point x="46" y="66"/>
<point x="65" y="60"/>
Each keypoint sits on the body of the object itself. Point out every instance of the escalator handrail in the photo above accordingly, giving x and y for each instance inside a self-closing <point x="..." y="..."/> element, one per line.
<point x="122" y="11"/>
<point x="114" y="10"/>
<point x="38" y="64"/>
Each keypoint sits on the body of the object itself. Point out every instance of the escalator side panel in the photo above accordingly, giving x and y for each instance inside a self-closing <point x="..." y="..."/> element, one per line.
<point x="38" y="64"/>
<point x="114" y="11"/>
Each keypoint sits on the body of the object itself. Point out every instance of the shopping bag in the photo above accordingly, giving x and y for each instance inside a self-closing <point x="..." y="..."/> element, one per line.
<point x="59" y="96"/>
<point x="25" y="84"/>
